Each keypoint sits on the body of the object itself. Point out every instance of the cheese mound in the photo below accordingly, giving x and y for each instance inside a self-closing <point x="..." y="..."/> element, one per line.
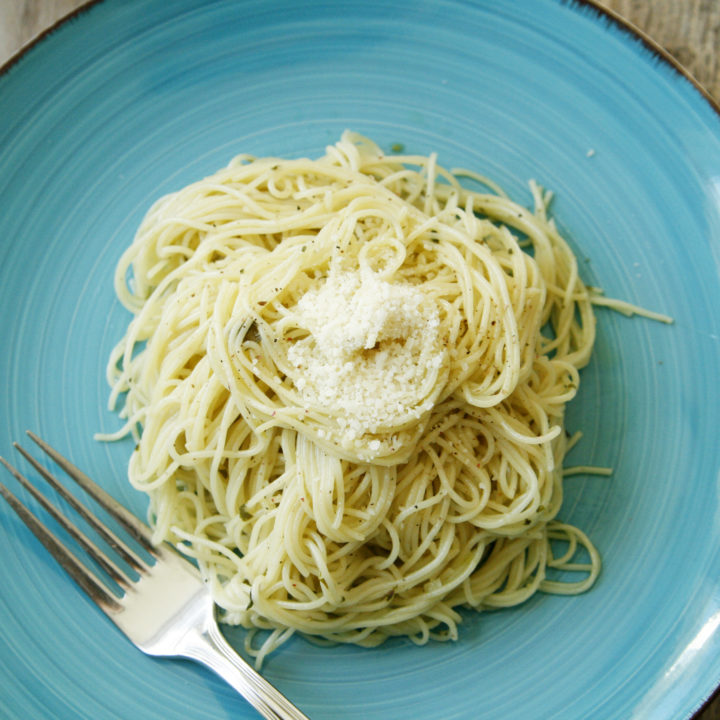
<point x="372" y="353"/>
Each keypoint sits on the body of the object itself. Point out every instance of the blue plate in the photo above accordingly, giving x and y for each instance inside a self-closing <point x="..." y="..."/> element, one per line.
<point x="129" y="100"/>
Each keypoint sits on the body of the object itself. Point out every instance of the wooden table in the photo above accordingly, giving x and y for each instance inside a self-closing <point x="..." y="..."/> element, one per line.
<point x="688" y="29"/>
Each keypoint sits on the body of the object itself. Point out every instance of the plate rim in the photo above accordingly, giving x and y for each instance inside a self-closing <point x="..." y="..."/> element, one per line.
<point x="601" y="11"/>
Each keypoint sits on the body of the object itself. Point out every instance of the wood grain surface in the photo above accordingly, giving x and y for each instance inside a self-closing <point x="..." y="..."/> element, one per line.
<point x="687" y="29"/>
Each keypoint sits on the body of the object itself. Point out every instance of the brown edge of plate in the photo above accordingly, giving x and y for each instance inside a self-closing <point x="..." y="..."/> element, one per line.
<point x="610" y="16"/>
<point x="14" y="59"/>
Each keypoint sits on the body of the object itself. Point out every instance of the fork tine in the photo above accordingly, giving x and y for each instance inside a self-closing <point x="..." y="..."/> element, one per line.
<point x="122" y="549"/>
<point x="135" y="527"/>
<point x="84" y="541"/>
<point x="86" y="579"/>
<point x="139" y="530"/>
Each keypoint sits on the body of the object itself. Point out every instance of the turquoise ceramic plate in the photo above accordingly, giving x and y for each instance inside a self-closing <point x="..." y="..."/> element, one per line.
<point x="129" y="100"/>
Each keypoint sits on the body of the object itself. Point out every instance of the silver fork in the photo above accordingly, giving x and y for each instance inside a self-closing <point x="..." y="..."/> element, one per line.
<point x="168" y="611"/>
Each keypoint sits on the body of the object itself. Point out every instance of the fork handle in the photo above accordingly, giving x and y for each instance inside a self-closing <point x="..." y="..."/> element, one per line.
<point x="210" y="648"/>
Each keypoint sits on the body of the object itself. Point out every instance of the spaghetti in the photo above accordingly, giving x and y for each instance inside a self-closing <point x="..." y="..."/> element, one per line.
<point x="347" y="378"/>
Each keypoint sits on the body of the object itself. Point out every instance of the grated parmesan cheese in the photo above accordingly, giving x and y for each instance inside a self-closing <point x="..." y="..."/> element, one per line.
<point x="372" y="352"/>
